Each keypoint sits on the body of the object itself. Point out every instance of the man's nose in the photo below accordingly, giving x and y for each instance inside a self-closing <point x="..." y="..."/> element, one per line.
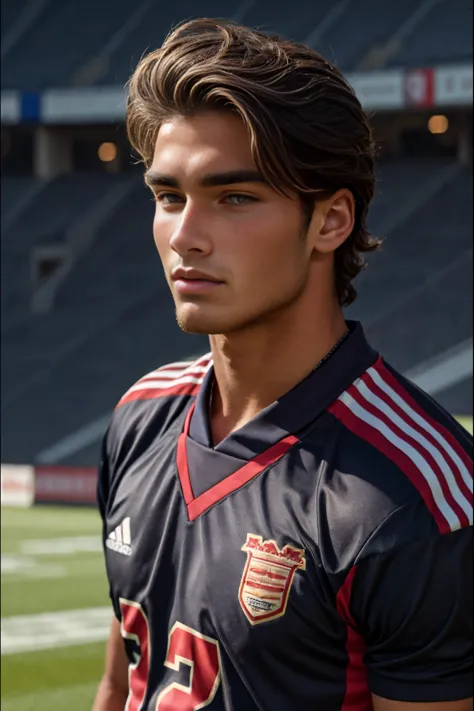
<point x="191" y="231"/>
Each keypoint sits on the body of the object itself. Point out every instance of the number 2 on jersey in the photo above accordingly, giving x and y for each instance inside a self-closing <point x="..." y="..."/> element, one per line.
<point x="185" y="646"/>
<point x="201" y="654"/>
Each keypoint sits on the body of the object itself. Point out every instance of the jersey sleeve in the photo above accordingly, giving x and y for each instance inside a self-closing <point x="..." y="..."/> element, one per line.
<point x="103" y="486"/>
<point x="413" y="608"/>
<point x="103" y="480"/>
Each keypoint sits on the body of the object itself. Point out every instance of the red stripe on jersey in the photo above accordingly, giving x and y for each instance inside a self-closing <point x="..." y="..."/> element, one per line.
<point x="161" y="378"/>
<point x="174" y="385"/>
<point x="426" y="434"/>
<point x="443" y="431"/>
<point x="357" y="696"/>
<point x="195" y="370"/>
<point x="232" y="482"/>
<point x="182" y="460"/>
<point x="240" y="477"/>
<point x="205" y="360"/>
<point x="190" y="389"/>
<point x="427" y="456"/>
<point x="380" y="442"/>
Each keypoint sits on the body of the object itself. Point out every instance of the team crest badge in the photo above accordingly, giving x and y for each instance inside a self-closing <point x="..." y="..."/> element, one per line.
<point x="267" y="578"/>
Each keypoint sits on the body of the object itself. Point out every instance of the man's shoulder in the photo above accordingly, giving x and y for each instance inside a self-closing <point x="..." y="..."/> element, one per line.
<point x="182" y="378"/>
<point x="410" y="461"/>
<point x="159" y="397"/>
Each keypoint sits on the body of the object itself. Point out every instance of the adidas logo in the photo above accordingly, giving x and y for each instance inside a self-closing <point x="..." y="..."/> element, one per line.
<point x="120" y="540"/>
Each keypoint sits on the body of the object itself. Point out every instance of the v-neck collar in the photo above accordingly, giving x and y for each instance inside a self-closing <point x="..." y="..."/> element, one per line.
<point x="196" y="505"/>
<point x="292" y="412"/>
<point x="270" y="435"/>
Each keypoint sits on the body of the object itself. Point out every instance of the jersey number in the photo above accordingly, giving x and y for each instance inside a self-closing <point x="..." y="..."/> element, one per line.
<point x="185" y="646"/>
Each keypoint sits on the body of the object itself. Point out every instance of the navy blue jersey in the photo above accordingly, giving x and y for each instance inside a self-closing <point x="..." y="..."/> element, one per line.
<point x="317" y="555"/>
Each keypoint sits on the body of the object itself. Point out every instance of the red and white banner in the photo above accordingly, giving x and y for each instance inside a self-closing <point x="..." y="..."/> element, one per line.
<point x="453" y="86"/>
<point x="67" y="485"/>
<point x="18" y="486"/>
<point x="384" y="90"/>
<point x="379" y="90"/>
<point x="419" y="88"/>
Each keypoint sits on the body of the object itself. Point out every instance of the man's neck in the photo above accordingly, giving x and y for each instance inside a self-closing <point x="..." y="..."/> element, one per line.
<point x="255" y="367"/>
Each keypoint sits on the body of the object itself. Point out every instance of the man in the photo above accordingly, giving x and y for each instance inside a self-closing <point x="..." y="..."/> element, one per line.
<point x="286" y="520"/>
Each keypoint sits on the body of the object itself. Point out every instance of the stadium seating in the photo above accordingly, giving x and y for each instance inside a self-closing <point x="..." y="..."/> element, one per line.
<point x="63" y="50"/>
<point x="426" y="239"/>
<point x="56" y="206"/>
<point x="414" y="33"/>
<point x="345" y="44"/>
<point x="110" y="324"/>
<point x="113" y="317"/>
<point x="444" y="35"/>
<point x="149" y="31"/>
<point x="13" y="190"/>
<point x="10" y="12"/>
<point x="458" y="398"/>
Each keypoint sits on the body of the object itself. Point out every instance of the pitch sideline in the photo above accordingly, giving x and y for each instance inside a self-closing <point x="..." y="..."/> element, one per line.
<point x="51" y="630"/>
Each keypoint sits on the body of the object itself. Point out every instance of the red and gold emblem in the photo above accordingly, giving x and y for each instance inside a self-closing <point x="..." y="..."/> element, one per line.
<point x="267" y="578"/>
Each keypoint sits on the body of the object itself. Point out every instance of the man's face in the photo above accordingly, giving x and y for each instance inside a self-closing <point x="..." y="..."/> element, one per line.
<point x="231" y="247"/>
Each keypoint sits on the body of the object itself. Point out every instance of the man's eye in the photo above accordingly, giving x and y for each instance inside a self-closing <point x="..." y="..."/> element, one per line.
<point x="235" y="199"/>
<point x="167" y="198"/>
<point x="238" y="199"/>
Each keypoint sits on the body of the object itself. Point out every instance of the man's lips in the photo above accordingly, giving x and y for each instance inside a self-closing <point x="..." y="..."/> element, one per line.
<point x="193" y="281"/>
<point x="195" y="286"/>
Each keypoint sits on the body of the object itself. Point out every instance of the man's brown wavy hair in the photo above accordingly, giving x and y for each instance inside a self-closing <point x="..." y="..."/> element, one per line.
<point x="307" y="129"/>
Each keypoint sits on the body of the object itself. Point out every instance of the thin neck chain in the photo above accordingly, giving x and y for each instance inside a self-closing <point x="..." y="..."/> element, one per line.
<point x="335" y="346"/>
<point x="324" y="358"/>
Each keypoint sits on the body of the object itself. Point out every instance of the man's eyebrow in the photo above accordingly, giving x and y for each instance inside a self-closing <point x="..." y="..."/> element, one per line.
<point x="232" y="177"/>
<point x="153" y="178"/>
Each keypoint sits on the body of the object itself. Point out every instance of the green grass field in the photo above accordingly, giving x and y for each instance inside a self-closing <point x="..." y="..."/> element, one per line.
<point x="466" y="422"/>
<point x="52" y="563"/>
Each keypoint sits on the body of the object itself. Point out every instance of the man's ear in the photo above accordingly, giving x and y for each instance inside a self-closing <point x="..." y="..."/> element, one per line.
<point x="333" y="221"/>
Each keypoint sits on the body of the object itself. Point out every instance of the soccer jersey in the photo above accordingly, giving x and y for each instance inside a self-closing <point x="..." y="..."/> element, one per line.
<point x="317" y="555"/>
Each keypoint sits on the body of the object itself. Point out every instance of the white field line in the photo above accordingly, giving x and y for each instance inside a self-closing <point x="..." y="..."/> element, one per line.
<point x="14" y="568"/>
<point x="15" y="563"/>
<point x="36" y="520"/>
<point x="50" y="698"/>
<point x="26" y="563"/>
<point x="62" y="546"/>
<point x="49" y="630"/>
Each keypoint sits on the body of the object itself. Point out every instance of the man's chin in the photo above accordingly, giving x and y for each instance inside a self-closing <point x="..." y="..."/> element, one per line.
<point x="193" y="328"/>
<point x="199" y="323"/>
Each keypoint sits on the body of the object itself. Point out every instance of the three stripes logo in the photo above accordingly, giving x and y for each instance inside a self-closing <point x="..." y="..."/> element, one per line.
<point x="120" y="539"/>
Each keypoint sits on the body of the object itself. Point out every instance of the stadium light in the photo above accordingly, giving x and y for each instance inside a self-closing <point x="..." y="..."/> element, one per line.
<point x="107" y="152"/>
<point x="438" y="124"/>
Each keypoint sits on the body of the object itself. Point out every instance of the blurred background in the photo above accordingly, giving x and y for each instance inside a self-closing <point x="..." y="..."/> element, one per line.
<point x="85" y="309"/>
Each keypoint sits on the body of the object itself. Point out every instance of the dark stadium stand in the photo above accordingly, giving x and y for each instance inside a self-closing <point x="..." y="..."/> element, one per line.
<point x="443" y="35"/>
<point x="113" y="318"/>
<point x="45" y="221"/>
<point x="17" y="194"/>
<point x="345" y="44"/>
<point x="52" y="36"/>
<point x="89" y="378"/>
<point x="461" y="392"/>
<point x="418" y="292"/>
<point x="146" y="33"/>
<point x="350" y="32"/>
<point x="9" y="14"/>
